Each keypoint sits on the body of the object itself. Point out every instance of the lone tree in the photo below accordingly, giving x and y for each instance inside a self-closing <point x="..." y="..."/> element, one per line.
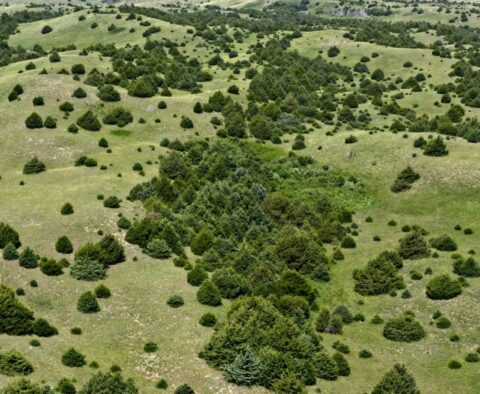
<point x="8" y="234"/>
<point x="67" y="209"/>
<point x="73" y="358"/>
<point x="64" y="245"/>
<point x="34" y="166"/>
<point x="396" y="381"/>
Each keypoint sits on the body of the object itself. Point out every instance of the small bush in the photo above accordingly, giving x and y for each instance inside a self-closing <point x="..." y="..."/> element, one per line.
<point x="89" y="121"/>
<point x="67" y="209"/>
<point x="10" y="252"/>
<point x="184" y="389"/>
<point x="150" y="347"/>
<point x="162" y="384"/>
<point x="348" y="243"/>
<point x="175" y="301"/>
<point x="78" y="69"/>
<point x="34" y="121"/>
<point x="364" y="354"/>
<point x="443" y="323"/>
<point x="102" y="291"/>
<point x="403" y="329"/>
<point x="72" y="358"/>
<point x="87" y="303"/>
<point x="79" y="93"/>
<point x="208" y="320"/>
<point x="111" y="202"/>
<point x="38" y="101"/>
<point x="472" y="358"/>
<point x="442" y="287"/>
<point x="28" y="259"/>
<point x="454" y="364"/>
<point x="64" y="245"/>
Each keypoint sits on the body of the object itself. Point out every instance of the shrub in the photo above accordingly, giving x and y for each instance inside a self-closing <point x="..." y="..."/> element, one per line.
<point x="442" y="287"/>
<point x="72" y="129"/>
<point x="67" y="209"/>
<point x="54" y="57"/>
<point x="186" y="123"/>
<point x="348" y="243"/>
<point x="108" y="93"/>
<point x="8" y="235"/>
<point x="454" y="364"/>
<point x="28" y="259"/>
<point x="15" y="319"/>
<point x="102" y="291"/>
<point x="444" y="243"/>
<point x="472" y="358"/>
<point x="364" y="354"/>
<point x="184" y="389"/>
<point x="468" y="268"/>
<point x="413" y="246"/>
<point x="118" y="116"/>
<point x="202" y="241"/>
<point x="209" y="294"/>
<point x="76" y="331"/>
<point x="403" y="329"/>
<point x="65" y="386"/>
<point x="64" y="245"/>
<point x="66" y="107"/>
<point x="34" y="121"/>
<point x="88" y="269"/>
<point x="124" y="223"/>
<point x="79" y="93"/>
<point x="42" y="328"/>
<point x="46" y="29"/>
<point x="78" y="69"/>
<point x="404" y="180"/>
<point x="150" y="347"/>
<point x="397" y="380"/>
<point x="208" y="320"/>
<point x="50" y="267"/>
<point x="175" y="301"/>
<point x="158" y="249"/>
<point x="333" y="51"/>
<point x="435" y="147"/>
<point x="72" y="358"/>
<point x="162" y="105"/>
<point x="89" y="121"/>
<point x="162" y="384"/>
<point x="197" y="108"/>
<point x="111" y="202"/>
<point x="233" y="89"/>
<point x="50" y="123"/>
<point x="87" y="303"/>
<point x="443" y="322"/>
<point x="380" y="276"/>
<point x="13" y="363"/>
<point x="38" y="101"/>
<point x="343" y="369"/>
<point x="325" y="367"/>
<point x="111" y="383"/>
<point x="10" y="252"/>
<point x="341" y="347"/>
<point x="142" y="88"/>
<point x="197" y="275"/>
<point x="34" y="166"/>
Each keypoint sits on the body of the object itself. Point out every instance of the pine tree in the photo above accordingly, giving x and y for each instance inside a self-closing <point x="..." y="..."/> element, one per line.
<point x="435" y="147"/>
<point x="208" y="294"/>
<point x="10" y="252"/>
<point x="28" y="259"/>
<point x="325" y="367"/>
<point x="64" y="245"/>
<point x="397" y="381"/>
<point x="244" y="370"/>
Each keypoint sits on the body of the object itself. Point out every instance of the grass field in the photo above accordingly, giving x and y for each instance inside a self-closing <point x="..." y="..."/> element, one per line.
<point x="446" y="195"/>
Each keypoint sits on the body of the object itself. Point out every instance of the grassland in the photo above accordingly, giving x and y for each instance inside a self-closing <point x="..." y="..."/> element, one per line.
<point x="446" y="195"/>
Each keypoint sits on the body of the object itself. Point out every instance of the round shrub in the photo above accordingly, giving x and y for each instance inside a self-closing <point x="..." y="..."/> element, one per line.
<point x="348" y="243"/>
<point x="413" y="246"/>
<point x="89" y="121"/>
<point x="102" y="291"/>
<point x="42" y="328"/>
<point x="78" y="69"/>
<point x="108" y="93"/>
<point x="72" y="358"/>
<point x="150" y="347"/>
<point x="175" y="301"/>
<point x="50" y="267"/>
<point x="28" y="259"/>
<point x="444" y="243"/>
<point x="442" y="287"/>
<point x="111" y="202"/>
<point x="454" y="364"/>
<point x="364" y="354"/>
<point x="50" y="123"/>
<point x="64" y="245"/>
<point x="184" y="389"/>
<point x="34" y="121"/>
<point x="65" y="386"/>
<point x="162" y="384"/>
<point x="87" y="303"/>
<point x="46" y="29"/>
<point x="472" y="358"/>
<point x="403" y="329"/>
<point x="34" y="166"/>
<point x="209" y="294"/>
<point x="208" y="320"/>
<point x="443" y="323"/>
<point x="158" y="249"/>
<point x="76" y="331"/>
<point x="197" y="275"/>
<point x="38" y="101"/>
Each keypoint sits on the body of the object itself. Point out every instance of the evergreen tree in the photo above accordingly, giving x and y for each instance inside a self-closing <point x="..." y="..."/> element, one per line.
<point x="8" y="235"/>
<point x="468" y="268"/>
<point x="197" y="275"/>
<point x="208" y="294"/>
<point x="158" y="249"/>
<point x="28" y="259"/>
<point x="397" y="381"/>
<point x="88" y="269"/>
<point x="435" y="147"/>
<point x="72" y="358"/>
<point x="202" y="241"/>
<point x="67" y="209"/>
<point x="64" y="245"/>
<point x="342" y="364"/>
<point x="15" y="319"/>
<point x="108" y="93"/>
<point x="10" y="252"/>
<point x="89" y="121"/>
<point x="289" y="383"/>
<point x="244" y="370"/>
<point x="413" y="246"/>
<point x="34" y="166"/>
<point x="443" y="287"/>
<point x="34" y="121"/>
<point x="325" y="367"/>
<point x="87" y="303"/>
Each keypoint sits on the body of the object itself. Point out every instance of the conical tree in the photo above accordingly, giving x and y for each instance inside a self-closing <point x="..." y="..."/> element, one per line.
<point x="244" y="370"/>
<point x="435" y="147"/>
<point x="397" y="381"/>
<point x="208" y="294"/>
<point x="87" y="303"/>
<point x="34" y="121"/>
<point x="64" y="245"/>
<point x="28" y="259"/>
<point x="34" y="166"/>
<point x="89" y="121"/>
<point x="289" y="384"/>
<point x="10" y="252"/>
